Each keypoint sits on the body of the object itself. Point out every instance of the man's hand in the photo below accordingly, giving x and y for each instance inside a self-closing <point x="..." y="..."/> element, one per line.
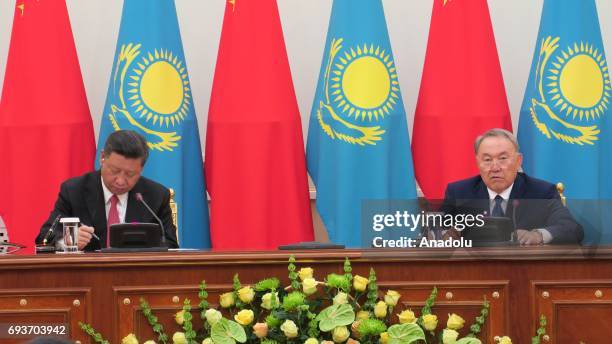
<point x="526" y="237"/>
<point x="85" y="235"/>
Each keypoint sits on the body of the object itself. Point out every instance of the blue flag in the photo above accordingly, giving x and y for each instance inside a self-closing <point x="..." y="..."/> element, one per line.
<point x="358" y="147"/>
<point x="564" y="128"/>
<point x="150" y="93"/>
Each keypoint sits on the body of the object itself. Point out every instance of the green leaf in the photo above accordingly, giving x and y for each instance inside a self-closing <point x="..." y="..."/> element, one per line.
<point x="227" y="332"/>
<point x="405" y="334"/>
<point x="468" y="341"/>
<point x="237" y="331"/>
<point x="334" y="316"/>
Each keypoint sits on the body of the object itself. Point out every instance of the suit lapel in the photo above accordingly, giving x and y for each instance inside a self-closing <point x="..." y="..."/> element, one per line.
<point x="481" y="196"/>
<point x="94" y="198"/>
<point x="517" y="194"/>
<point x="135" y="211"/>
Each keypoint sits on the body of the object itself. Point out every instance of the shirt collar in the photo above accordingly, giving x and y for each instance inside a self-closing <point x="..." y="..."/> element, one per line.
<point x="504" y="194"/>
<point x="107" y="195"/>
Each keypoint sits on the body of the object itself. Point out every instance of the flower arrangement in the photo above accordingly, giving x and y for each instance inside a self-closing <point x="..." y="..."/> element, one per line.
<point x="343" y="308"/>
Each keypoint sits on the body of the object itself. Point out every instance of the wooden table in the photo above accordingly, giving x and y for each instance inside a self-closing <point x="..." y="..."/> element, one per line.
<point x="571" y="286"/>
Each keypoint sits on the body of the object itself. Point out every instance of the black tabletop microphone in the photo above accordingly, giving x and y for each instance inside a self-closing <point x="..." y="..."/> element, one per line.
<point x="515" y="204"/>
<point x="161" y="224"/>
<point x="51" y="231"/>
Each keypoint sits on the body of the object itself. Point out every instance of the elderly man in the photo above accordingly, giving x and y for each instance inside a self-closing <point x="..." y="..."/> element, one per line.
<point x="540" y="216"/>
<point x="108" y="196"/>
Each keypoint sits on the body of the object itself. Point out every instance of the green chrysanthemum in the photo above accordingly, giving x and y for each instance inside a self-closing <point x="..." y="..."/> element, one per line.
<point x="293" y="300"/>
<point x="267" y="284"/>
<point x="272" y="321"/>
<point x="268" y="341"/>
<point x="338" y="281"/>
<point x="371" y="327"/>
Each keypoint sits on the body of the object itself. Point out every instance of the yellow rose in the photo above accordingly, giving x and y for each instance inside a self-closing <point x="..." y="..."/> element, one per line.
<point x="340" y="334"/>
<point x="212" y="316"/>
<point x="392" y="297"/>
<point x="505" y="340"/>
<point x="207" y="340"/>
<point x="309" y="286"/>
<point x="179" y="338"/>
<point x="266" y="301"/>
<point x="244" y="317"/>
<point x="289" y="329"/>
<point x="380" y="310"/>
<point x="449" y="336"/>
<point x="340" y="298"/>
<point x="384" y="338"/>
<point x="311" y="341"/>
<point x="150" y="342"/>
<point x="129" y="339"/>
<point x="305" y="273"/>
<point x="363" y="315"/>
<point x="260" y="330"/>
<point x="407" y="317"/>
<point x="227" y="300"/>
<point x="360" y="283"/>
<point x="179" y="317"/>
<point x="455" y="322"/>
<point x="430" y="322"/>
<point x="246" y="294"/>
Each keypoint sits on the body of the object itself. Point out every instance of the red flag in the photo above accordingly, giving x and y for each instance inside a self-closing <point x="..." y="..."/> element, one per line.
<point x="255" y="163"/>
<point x="46" y="133"/>
<point x="462" y="94"/>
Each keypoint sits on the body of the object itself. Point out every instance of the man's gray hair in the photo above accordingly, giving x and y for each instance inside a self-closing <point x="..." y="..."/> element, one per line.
<point x="496" y="132"/>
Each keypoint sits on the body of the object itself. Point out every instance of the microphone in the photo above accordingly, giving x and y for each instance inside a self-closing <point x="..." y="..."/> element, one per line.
<point x="515" y="204"/>
<point x="161" y="225"/>
<point x="51" y="231"/>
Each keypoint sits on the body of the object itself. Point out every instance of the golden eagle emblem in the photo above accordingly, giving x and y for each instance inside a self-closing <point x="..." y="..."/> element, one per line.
<point x="361" y="88"/>
<point x="573" y="88"/>
<point x="154" y="95"/>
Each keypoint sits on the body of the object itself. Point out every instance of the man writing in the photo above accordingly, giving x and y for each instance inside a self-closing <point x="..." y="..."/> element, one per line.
<point x="108" y="196"/>
<point x="501" y="191"/>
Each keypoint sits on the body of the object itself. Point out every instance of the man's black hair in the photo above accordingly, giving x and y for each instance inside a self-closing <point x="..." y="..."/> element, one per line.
<point x="127" y="143"/>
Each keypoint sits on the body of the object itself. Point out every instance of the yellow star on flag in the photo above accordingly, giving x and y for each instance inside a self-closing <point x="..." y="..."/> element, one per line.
<point x="21" y="7"/>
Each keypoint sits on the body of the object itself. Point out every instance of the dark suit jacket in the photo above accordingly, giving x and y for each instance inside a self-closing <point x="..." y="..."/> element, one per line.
<point x="83" y="197"/>
<point x="538" y="205"/>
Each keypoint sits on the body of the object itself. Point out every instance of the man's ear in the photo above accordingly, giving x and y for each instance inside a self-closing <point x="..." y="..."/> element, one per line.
<point x="520" y="160"/>
<point x="101" y="157"/>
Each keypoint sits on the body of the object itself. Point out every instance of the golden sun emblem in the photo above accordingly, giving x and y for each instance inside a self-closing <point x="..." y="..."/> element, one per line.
<point x="361" y="85"/>
<point x="154" y="95"/>
<point x="574" y="88"/>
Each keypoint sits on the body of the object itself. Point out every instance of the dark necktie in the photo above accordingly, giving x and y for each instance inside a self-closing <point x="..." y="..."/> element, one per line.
<point x="497" y="208"/>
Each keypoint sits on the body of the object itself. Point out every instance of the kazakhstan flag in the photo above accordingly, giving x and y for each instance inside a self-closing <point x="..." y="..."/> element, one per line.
<point x="358" y="147"/>
<point x="565" y="125"/>
<point x="149" y="93"/>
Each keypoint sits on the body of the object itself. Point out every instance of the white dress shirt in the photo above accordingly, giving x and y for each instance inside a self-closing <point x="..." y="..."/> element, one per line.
<point x="121" y="204"/>
<point x="546" y="236"/>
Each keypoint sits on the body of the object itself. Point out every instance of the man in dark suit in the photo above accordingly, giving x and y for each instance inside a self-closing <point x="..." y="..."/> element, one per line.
<point x="108" y="196"/>
<point x="500" y="190"/>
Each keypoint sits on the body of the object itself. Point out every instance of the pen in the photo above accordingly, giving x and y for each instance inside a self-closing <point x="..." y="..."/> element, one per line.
<point x="93" y="234"/>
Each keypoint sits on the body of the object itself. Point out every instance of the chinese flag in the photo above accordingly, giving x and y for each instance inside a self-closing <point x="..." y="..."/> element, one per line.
<point x="46" y="133"/>
<point x="462" y="94"/>
<point x="255" y="164"/>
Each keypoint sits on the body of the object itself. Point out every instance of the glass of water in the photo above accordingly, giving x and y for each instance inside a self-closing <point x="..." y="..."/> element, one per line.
<point x="70" y="227"/>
